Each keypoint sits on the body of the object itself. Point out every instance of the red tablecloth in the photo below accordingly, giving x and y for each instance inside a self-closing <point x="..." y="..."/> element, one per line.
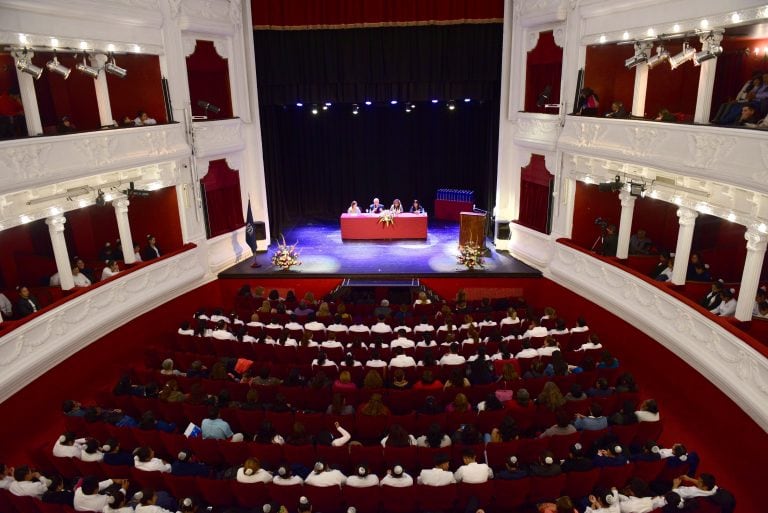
<point x="367" y="226"/>
<point x="450" y="210"/>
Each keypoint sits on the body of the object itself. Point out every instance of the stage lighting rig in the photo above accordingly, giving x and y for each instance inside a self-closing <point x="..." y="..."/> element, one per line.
<point x="133" y="192"/>
<point x="615" y="186"/>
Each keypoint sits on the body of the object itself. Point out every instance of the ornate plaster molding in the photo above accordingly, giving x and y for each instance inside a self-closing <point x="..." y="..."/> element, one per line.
<point x="218" y="138"/>
<point x="732" y="365"/>
<point x="46" y="341"/>
<point x="537" y="131"/>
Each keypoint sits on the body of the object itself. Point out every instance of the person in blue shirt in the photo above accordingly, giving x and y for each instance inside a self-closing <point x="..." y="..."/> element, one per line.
<point x="186" y="465"/>
<point x="592" y="422"/>
<point x="511" y="470"/>
<point x="416" y="208"/>
<point x="215" y="427"/>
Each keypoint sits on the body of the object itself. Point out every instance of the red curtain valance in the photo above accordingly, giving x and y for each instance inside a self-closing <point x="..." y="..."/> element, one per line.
<point x="335" y="14"/>
<point x="537" y="172"/>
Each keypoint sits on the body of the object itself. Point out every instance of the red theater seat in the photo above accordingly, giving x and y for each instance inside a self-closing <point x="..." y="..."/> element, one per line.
<point x="581" y="484"/>
<point x="367" y="500"/>
<point x="546" y="488"/>
<point x="249" y="495"/>
<point x="436" y="498"/>
<point x="510" y="495"/>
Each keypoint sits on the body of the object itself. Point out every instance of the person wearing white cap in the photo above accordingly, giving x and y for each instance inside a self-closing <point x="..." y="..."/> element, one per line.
<point x="284" y="477"/>
<point x="321" y="475"/>
<point x="397" y="477"/>
<point x="362" y="478"/>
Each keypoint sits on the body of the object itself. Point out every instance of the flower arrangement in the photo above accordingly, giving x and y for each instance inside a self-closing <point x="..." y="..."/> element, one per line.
<point x="285" y="256"/>
<point x="387" y="217"/>
<point x="471" y="256"/>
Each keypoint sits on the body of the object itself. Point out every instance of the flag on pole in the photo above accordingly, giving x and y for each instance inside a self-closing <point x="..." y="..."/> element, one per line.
<point x="250" y="229"/>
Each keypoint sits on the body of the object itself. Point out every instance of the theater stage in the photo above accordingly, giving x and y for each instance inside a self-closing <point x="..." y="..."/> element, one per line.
<point x="324" y="254"/>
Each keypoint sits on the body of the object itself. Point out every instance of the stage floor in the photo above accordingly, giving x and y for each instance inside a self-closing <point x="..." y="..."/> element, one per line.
<point x="324" y="254"/>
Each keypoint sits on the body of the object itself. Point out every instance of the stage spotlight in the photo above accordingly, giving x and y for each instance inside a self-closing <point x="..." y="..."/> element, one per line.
<point x="83" y="67"/>
<point x="314" y="110"/>
<point x="393" y="102"/>
<point x="24" y="64"/>
<point x="299" y="104"/>
<point x="408" y="107"/>
<point x="327" y="104"/>
<point x="434" y="101"/>
<point x="368" y="102"/>
<point x="355" y="109"/>
<point x="639" y="58"/>
<point x="467" y="100"/>
<point x="112" y="68"/>
<point x="56" y="67"/>
<point x="681" y="58"/>
<point x="325" y="107"/>
<point x="100" y="201"/>
<point x="712" y="52"/>
<point x="451" y="105"/>
<point x="662" y="55"/>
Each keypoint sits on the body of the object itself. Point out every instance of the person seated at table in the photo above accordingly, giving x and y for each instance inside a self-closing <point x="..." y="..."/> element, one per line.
<point x="416" y="208"/>
<point x="353" y="208"/>
<point x="397" y="207"/>
<point x="376" y="207"/>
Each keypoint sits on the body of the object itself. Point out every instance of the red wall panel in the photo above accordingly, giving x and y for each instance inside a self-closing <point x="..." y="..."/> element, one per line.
<point x="208" y="77"/>
<point x="140" y="90"/>
<point x="543" y="67"/>
<point x="158" y="215"/>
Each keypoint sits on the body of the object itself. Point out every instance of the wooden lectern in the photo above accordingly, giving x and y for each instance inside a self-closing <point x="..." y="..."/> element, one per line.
<point x="472" y="229"/>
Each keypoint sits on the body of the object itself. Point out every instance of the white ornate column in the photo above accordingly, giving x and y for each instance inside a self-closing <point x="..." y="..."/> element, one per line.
<point x="29" y="99"/>
<point x="60" y="253"/>
<point x="687" y="220"/>
<point x="102" y="91"/>
<point x="641" y="80"/>
<point x="706" y="78"/>
<point x="124" y="229"/>
<point x="750" y="278"/>
<point x="625" y="223"/>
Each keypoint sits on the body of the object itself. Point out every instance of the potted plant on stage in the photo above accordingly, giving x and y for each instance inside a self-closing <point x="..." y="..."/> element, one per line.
<point x="470" y="255"/>
<point x="387" y="217"/>
<point x="285" y="256"/>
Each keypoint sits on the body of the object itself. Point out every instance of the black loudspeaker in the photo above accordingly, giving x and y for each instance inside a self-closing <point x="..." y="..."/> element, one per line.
<point x="502" y="230"/>
<point x="259" y="230"/>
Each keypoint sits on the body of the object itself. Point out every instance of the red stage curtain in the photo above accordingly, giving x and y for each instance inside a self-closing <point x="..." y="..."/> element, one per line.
<point x="221" y="187"/>
<point x="306" y="14"/>
<point x="535" y="184"/>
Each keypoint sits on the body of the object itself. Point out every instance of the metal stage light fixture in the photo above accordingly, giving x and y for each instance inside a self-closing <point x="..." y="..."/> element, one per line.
<point x="55" y="66"/>
<point x="83" y="67"/>
<point x="684" y="56"/>
<point x="662" y="55"/>
<point x="713" y="51"/>
<point x="112" y="68"/>
<point x="24" y="64"/>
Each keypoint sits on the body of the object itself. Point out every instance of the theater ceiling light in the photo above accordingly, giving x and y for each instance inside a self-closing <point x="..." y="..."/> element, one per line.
<point x="684" y="56"/>
<point x="24" y="64"/>
<point x="640" y="57"/>
<point x="662" y="55"/>
<point x="56" y="67"/>
<point x="112" y="68"/>
<point x="84" y="68"/>
<point x="710" y="50"/>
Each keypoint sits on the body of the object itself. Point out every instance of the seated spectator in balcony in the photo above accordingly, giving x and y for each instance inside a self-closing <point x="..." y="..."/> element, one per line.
<point x="303" y="310"/>
<point x="588" y="103"/>
<point x="561" y="428"/>
<point x="704" y="486"/>
<point x="323" y="476"/>
<point x="648" y="411"/>
<point x="399" y="380"/>
<point x="111" y="269"/>
<point x="91" y="451"/>
<point x="661" y="266"/>
<point x="86" y="271"/>
<point x="549" y="348"/>
<point x="284" y="477"/>
<point x="666" y="273"/>
<point x="713" y="298"/>
<point x="373" y="380"/>
<point x="480" y="372"/>
<point x="65" y="126"/>
<point x="521" y="402"/>
<point x="640" y="243"/>
<point x="144" y="459"/>
<point x="397" y="436"/>
<point x="439" y="475"/>
<point x="6" y="308"/>
<point x="727" y="306"/>
<point x="762" y="310"/>
<point x="6" y="476"/>
<point x="460" y="404"/>
<point x="694" y="260"/>
<point x="216" y="428"/>
<point x="745" y="94"/>
<point x="251" y="472"/>
<point x="337" y="326"/>
<point x="137" y="252"/>
<point x="452" y="357"/>
<point x="186" y="465"/>
<point x="143" y="119"/>
<point x="617" y="110"/>
<point x="401" y="360"/>
<point x="701" y="273"/>
<point x="547" y="466"/>
<point x="57" y="494"/>
<point x="374" y="407"/>
<point x="397" y="477"/>
<point x="151" y="250"/>
<point x="402" y="340"/>
<point x="362" y="478"/>
<point x="92" y="493"/>
<point x="267" y="434"/>
<point x="28" y="483"/>
<point x="326" y="438"/>
<point x="611" y="455"/>
<point x="625" y="416"/>
<point x="512" y="470"/>
<point x="550" y="397"/>
<point x="322" y="361"/>
<point x="535" y="330"/>
<point x="665" y="115"/>
<point x="471" y="471"/>
<point x="434" y="438"/>
<point x="339" y="406"/>
<point x="428" y="382"/>
<point x="112" y="455"/>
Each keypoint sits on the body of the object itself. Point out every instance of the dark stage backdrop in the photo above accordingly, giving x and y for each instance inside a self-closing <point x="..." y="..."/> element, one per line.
<point x="315" y="165"/>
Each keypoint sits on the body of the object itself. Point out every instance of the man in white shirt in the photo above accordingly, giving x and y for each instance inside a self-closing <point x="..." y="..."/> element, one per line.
<point x="439" y="475"/>
<point x="381" y="327"/>
<point x="535" y="331"/>
<point x="592" y="343"/>
<point x="322" y="476"/>
<point x="221" y="333"/>
<point x="7" y="476"/>
<point x="6" y="307"/>
<point x="401" y="359"/>
<point x="28" y="483"/>
<point x="423" y="327"/>
<point x="89" y="498"/>
<point x="703" y="487"/>
<point x="313" y="325"/>
<point x="550" y="346"/>
<point x="292" y="325"/>
<point x="727" y="307"/>
<point x="452" y="357"/>
<point x="472" y="472"/>
<point x="397" y="478"/>
<point x="527" y="351"/>
<point x="331" y="343"/>
<point x="581" y="325"/>
<point x="401" y="341"/>
<point x="359" y="328"/>
<point x="337" y="326"/>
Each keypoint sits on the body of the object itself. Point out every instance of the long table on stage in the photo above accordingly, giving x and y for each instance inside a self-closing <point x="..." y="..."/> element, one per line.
<point x="367" y="227"/>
